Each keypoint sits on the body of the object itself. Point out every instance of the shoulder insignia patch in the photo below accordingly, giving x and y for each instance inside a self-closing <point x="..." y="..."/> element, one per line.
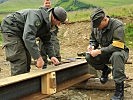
<point x="118" y="44"/>
<point x="37" y="23"/>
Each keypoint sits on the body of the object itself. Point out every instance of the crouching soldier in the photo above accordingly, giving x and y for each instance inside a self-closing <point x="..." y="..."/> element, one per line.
<point x="108" y="33"/>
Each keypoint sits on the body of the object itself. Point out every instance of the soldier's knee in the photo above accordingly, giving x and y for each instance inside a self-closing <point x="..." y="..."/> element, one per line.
<point x="16" y="70"/>
<point x="116" y="55"/>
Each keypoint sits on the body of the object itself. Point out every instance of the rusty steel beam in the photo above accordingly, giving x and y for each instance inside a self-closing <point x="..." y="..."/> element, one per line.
<point x="24" y="85"/>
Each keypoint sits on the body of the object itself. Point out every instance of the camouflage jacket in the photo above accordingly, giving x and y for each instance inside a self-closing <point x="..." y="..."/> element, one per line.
<point x="29" y="24"/>
<point x="111" y="38"/>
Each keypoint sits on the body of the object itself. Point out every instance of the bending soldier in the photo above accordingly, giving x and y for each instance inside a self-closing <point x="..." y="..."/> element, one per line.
<point x="54" y="40"/>
<point x="19" y="31"/>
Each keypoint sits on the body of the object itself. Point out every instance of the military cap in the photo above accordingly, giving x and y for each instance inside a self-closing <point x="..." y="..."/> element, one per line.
<point x="96" y="17"/>
<point x="59" y="13"/>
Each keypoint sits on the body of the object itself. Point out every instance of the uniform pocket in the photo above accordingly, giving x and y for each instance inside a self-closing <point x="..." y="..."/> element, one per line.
<point x="125" y="55"/>
<point x="10" y="50"/>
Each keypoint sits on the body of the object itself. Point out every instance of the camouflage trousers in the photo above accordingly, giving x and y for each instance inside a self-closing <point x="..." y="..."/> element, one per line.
<point x="16" y="53"/>
<point x="117" y="60"/>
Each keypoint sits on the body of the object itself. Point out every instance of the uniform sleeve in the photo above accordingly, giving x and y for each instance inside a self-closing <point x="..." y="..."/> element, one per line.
<point x="93" y="41"/>
<point x="29" y="35"/>
<point x="55" y="31"/>
<point x="51" y="51"/>
<point x="118" y="41"/>
<point x="48" y="46"/>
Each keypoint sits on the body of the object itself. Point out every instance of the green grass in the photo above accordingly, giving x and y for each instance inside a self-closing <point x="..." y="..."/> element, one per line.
<point x="118" y="12"/>
<point x="2" y="16"/>
<point x="78" y="4"/>
<point x="129" y="34"/>
<point x="122" y="11"/>
<point x="80" y="15"/>
<point x="72" y="5"/>
<point x="0" y="39"/>
<point x="13" y="5"/>
<point x="108" y="3"/>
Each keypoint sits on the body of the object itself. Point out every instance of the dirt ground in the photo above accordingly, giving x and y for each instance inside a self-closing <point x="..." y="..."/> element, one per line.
<point x="74" y="38"/>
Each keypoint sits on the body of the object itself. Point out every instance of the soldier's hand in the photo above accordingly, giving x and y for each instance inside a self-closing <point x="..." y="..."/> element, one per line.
<point x="55" y="60"/>
<point x="90" y="48"/>
<point x="39" y="62"/>
<point x="94" y="53"/>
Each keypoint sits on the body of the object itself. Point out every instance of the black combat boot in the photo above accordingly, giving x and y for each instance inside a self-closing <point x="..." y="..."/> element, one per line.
<point x="105" y="73"/>
<point x="119" y="92"/>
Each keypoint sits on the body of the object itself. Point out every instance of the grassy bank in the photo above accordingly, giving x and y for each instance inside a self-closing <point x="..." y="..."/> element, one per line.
<point x="13" y="5"/>
<point x="118" y="12"/>
<point x="129" y="35"/>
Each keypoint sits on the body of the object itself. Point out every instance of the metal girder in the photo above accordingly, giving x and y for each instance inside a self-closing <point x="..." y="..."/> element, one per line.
<point x="20" y="86"/>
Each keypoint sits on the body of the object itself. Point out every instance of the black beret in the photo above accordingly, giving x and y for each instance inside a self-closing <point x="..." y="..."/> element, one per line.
<point x="59" y="13"/>
<point x="96" y="17"/>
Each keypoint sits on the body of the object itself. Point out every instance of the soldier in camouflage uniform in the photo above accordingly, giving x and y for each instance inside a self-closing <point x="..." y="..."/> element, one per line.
<point x="19" y="31"/>
<point x="107" y="45"/>
<point x="54" y="40"/>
